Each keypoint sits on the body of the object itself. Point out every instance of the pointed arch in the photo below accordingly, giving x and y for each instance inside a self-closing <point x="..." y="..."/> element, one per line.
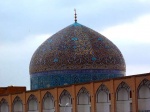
<point x="123" y="98"/>
<point x="144" y="95"/>
<point x="102" y="99"/>
<point x="65" y="101"/>
<point x="83" y="96"/>
<point x="17" y="105"/>
<point x="83" y="100"/>
<point x="123" y="91"/>
<point x="32" y="103"/>
<point x="144" y="89"/>
<point x="48" y="102"/>
<point x="4" y="105"/>
<point x="102" y="94"/>
<point x="65" y="97"/>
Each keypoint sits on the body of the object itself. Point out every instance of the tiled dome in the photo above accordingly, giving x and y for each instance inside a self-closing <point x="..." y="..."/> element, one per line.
<point x="77" y="48"/>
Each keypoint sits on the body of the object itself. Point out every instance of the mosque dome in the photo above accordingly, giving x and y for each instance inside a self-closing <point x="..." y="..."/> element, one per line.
<point x="75" y="54"/>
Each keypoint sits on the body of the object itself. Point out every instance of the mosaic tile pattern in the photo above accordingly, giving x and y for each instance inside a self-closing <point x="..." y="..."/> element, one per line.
<point x="76" y="54"/>
<point x="67" y="77"/>
<point x="76" y="47"/>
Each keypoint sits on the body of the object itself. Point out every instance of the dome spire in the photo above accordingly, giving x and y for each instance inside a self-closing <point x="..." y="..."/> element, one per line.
<point x="75" y="16"/>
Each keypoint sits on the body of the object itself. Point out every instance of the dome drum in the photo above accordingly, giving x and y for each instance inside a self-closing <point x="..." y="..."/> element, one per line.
<point x="68" y="77"/>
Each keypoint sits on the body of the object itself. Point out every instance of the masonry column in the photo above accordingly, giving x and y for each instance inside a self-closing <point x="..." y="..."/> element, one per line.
<point x="93" y="103"/>
<point x="113" y="96"/>
<point x="40" y="101"/>
<point x="134" y="96"/>
<point x="10" y="103"/>
<point x="74" y="99"/>
<point x="24" y="102"/>
<point x="56" y="101"/>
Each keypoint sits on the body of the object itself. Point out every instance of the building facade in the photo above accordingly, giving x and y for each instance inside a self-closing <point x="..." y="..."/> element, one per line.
<point x="126" y="94"/>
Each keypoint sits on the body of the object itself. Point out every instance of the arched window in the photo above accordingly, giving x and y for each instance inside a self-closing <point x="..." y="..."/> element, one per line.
<point x="123" y="97"/>
<point x="17" y="105"/>
<point x="83" y="100"/>
<point x="32" y="104"/>
<point x="102" y="94"/>
<point x="144" y="89"/>
<point x="144" y="95"/>
<point x="4" y="106"/>
<point x="83" y="96"/>
<point x="48" y="102"/>
<point x="102" y="99"/>
<point x="123" y="91"/>
<point x="65" y="101"/>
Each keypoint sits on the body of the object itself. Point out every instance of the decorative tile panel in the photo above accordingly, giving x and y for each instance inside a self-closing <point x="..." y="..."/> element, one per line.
<point x="76" y="47"/>
<point x="75" y="54"/>
<point x="68" y="77"/>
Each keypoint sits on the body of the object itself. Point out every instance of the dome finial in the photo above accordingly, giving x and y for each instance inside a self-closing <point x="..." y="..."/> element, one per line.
<point x="75" y="15"/>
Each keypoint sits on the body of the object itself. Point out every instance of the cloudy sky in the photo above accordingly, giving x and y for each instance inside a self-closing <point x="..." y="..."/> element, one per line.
<point x="25" y="24"/>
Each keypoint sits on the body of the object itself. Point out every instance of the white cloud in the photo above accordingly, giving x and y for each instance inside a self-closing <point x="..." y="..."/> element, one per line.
<point x="133" y="39"/>
<point x="137" y="31"/>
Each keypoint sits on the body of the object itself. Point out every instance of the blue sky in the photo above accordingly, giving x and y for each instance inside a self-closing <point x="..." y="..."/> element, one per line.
<point x="25" y="24"/>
